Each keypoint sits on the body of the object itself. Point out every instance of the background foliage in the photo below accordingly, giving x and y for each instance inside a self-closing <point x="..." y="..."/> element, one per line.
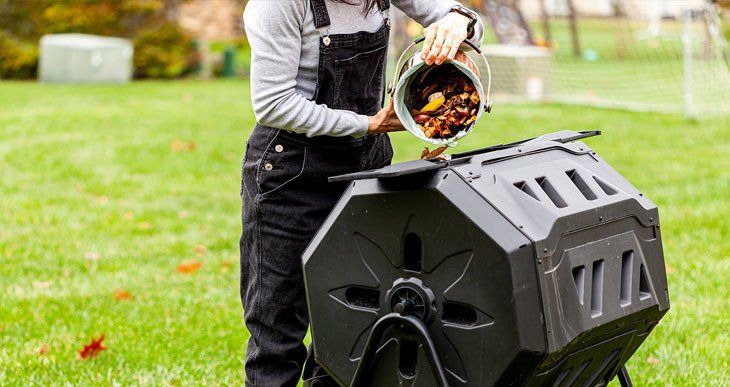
<point x="162" y="48"/>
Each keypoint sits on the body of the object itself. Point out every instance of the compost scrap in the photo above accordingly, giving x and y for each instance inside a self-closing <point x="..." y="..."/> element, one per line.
<point x="443" y="102"/>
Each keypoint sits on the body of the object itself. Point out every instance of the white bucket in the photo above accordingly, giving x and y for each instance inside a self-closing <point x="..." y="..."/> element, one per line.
<point x="414" y="67"/>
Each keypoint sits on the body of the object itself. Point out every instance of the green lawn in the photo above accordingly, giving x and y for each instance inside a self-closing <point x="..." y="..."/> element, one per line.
<point x="101" y="190"/>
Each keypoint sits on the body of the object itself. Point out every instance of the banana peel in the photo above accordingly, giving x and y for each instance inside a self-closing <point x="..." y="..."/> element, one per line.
<point x="434" y="105"/>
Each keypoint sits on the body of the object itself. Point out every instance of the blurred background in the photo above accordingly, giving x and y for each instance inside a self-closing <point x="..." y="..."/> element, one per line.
<point x="122" y="129"/>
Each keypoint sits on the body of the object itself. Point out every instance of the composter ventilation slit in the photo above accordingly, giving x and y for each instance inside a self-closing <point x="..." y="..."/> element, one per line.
<point x="551" y="192"/>
<point x="607" y="188"/>
<point x="581" y="184"/>
<point x="579" y="277"/>
<point x="644" y="290"/>
<point x="412" y="252"/>
<point x="597" y="289"/>
<point x="522" y="186"/>
<point x="627" y="270"/>
<point x="363" y="297"/>
<point x="408" y="358"/>
<point x="458" y="314"/>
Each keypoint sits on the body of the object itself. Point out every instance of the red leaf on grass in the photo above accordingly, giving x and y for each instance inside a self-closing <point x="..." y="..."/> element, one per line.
<point x="121" y="295"/>
<point x="188" y="266"/>
<point x="92" y="349"/>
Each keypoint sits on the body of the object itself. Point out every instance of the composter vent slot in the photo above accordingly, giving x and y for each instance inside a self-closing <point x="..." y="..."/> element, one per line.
<point x="627" y="271"/>
<point x="408" y="358"/>
<point x="597" y="289"/>
<point x="459" y="314"/>
<point x="607" y="188"/>
<point x="644" y="290"/>
<point x="579" y="277"/>
<point x="522" y="186"/>
<point x="581" y="185"/>
<point x="551" y="192"/>
<point x="412" y="252"/>
<point x="363" y="297"/>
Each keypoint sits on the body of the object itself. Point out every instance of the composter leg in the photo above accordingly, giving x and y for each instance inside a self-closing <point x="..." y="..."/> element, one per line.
<point x="623" y="378"/>
<point x="362" y="373"/>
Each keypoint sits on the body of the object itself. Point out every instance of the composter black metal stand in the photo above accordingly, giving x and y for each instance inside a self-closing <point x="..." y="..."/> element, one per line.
<point x="405" y="320"/>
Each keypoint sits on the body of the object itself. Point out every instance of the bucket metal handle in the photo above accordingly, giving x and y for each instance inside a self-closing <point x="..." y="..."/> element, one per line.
<point x="396" y="76"/>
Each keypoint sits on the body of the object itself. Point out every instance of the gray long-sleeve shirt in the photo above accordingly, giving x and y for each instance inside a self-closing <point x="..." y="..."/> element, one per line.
<point x="285" y="56"/>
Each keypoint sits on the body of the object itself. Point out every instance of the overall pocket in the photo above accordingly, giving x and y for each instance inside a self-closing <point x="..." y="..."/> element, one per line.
<point x="362" y="73"/>
<point x="282" y="162"/>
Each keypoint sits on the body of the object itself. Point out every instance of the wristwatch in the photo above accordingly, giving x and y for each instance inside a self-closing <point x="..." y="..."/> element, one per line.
<point x="471" y="15"/>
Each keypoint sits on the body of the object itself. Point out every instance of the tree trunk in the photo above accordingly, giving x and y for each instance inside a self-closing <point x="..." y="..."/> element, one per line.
<point x="507" y="21"/>
<point x="574" y="28"/>
<point x="546" y="23"/>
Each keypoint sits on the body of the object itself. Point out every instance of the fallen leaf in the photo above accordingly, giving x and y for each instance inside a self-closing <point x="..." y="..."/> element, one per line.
<point x="188" y="266"/>
<point x="200" y="249"/>
<point x="92" y="349"/>
<point x="102" y="200"/>
<point x="121" y="295"/>
<point x="669" y="268"/>
<point x="42" y="350"/>
<point x="129" y="215"/>
<point x="91" y="256"/>
<point x="652" y="360"/>
<point x="226" y="265"/>
<point x="183" y="146"/>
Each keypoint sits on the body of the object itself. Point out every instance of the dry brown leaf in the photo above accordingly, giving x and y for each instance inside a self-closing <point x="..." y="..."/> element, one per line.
<point x="42" y="350"/>
<point x="183" y="146"/>
<point x="200" y="249"/>
<point x="122" y="295"/>
<point x="669" y="268"/>
<point x="652" y="360"/>
<point x="426" y="154"/>
<point x="188" y="266"/>
<point x="226" y="265"/>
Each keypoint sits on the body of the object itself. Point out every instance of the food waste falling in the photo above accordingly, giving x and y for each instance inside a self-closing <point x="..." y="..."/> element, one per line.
<point x="443" y="101"/>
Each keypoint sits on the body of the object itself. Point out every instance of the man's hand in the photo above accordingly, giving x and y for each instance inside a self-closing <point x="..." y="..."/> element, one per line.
<point x="385" y="120"/>
<point x="444" y="37"/>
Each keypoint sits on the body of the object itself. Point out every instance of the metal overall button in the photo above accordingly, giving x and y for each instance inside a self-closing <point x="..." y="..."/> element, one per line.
<point x="268" y="166"/>
<point x="278" y="148"/>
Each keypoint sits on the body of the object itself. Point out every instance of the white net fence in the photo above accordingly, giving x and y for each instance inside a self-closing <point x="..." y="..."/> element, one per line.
<point x="650" y="55"/>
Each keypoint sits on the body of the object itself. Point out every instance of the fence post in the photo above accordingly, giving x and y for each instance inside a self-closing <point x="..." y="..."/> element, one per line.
<point x="687" y="42"/>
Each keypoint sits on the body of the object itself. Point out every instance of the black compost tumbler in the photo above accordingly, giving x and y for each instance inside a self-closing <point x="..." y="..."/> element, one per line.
<point x="528" y="264"/>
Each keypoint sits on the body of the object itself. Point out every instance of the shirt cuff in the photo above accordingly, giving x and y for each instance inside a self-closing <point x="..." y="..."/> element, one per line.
<point x="362" y="126"/>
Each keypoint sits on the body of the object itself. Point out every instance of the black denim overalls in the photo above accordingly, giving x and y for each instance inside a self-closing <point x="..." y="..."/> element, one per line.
<point x="286" y="197"/>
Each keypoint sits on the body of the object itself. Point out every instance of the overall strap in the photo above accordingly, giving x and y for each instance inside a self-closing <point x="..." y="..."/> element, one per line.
<point x="383" y="5"/>
<point x="321" y="16"/>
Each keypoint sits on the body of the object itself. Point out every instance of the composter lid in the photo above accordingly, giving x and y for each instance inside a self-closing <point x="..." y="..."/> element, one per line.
<point x="416" y="167"/>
